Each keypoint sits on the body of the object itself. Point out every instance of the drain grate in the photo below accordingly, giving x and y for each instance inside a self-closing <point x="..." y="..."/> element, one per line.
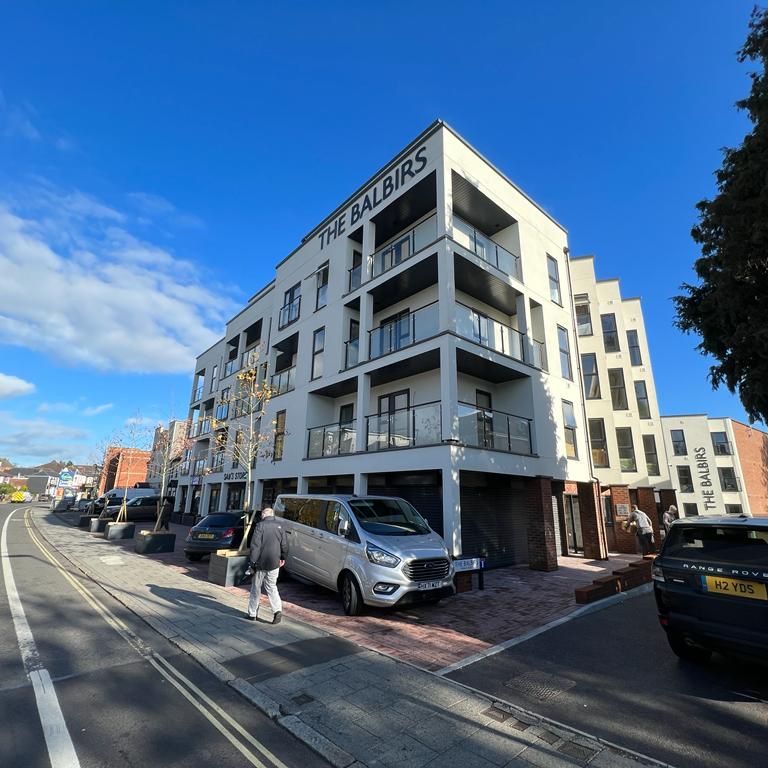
<point x="540" y="685"/>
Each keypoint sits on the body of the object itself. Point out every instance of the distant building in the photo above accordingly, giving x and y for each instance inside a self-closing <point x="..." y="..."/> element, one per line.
<point x="123" y="467"/>
<point x="168" y="445"/>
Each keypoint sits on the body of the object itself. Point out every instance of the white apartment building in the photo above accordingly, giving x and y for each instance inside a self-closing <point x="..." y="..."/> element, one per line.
<point x="168" y="446"/>
<point x="706" y="467"/>
<point x="421" y="342"/>
<point x="623" y="421"/>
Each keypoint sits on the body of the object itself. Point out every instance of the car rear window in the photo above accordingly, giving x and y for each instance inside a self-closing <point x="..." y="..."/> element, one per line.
<point x="220" y="520"/>
<point x="722" y="544"/>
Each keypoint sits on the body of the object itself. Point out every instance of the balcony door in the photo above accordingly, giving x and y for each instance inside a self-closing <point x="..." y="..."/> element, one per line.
<point x="484" y="418"/>
<point x="394" y="415"/>
<point x="395" y="331"/>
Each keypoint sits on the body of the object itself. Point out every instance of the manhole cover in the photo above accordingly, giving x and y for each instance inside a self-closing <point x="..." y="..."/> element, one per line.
<point x="540" y="685"/>
<point x="302" y="699"/>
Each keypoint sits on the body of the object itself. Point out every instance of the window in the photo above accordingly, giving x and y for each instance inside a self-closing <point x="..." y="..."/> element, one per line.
<point x="565" y="353"/>
<point x="318" y="347"/>
<point x="598" y="443"/>
<point x="554" y="281"/>
<point x="626" y="449"/>
<point x="651" y="456"/>
<point x="643" y="406"/>
<point x="238" y="449"/>
<point x="733" y="509"/>
<point x="684" y="479"/>
<point x="728" y="479"/>
<point x="690" y="510"/>
<point x="633" y="343"/>
<point x="214" y="377"/>
<point x="583" y="316"/>
<point x="222" y="409"/>
<point x="678" y="442"/>
<point x="277" y="453"/>
<point x="322" y="287"/>
<point x="289" y="312"/>
<point x="569" y="423"/>
<point x="591" y="378"/>
<point x="610" y="334"/>
<point x="618" y="391"/>
<point x="720" y="444"/>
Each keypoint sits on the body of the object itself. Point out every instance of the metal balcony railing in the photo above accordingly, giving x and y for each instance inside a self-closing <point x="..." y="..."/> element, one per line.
<point x="232" y="366"/>
<point x="199" y="466"/>
<point x="403" y="332"/>
<point x="250" y="357"/>
<point x="197" y="393"/>
<point x="217" y="462"/>
<point x="331" y="440"/>
<point x="485" y="248"/>
<point x="404" y="245"/>
<point x="481" y="428"/>
<point x="289" y="313"/>
<point x="404" y="428"/>
<point x="484" y="330"/>
<point x="285" y="381"/>
<point x="184" y="468"/>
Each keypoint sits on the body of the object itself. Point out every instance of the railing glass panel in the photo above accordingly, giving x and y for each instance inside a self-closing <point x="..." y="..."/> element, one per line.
<point x="404" y="246"/>
<point x="485" y="248"/>
<point x="403" y="332"/>
<point x="289" y="313"/>
<point x="404" y="428"/>
<point x="284" y="381"/>
<point x="351" y="352"/>
<point x="331" y="440"/>
<point x="481" y="428"/>
<point x="490" y="333"/>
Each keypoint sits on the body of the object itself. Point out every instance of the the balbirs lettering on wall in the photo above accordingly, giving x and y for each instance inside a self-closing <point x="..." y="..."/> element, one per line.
<point x="376" y="195"/>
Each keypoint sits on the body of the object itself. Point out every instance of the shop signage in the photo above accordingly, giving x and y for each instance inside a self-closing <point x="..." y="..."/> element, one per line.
<point x="235" y="475"/>
<point x="622" y="510"/>
<point x="705" y="481"/>
<point x="408" y="169"/>
<point x="469" y="564"/>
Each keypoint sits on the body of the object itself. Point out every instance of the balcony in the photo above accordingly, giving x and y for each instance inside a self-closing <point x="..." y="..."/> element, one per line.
<point x="539" y="355"/>
<point x="496" y="430"/>
<point x="404" y="331"/>
<point x="289" y="313"/>
<point x="217" y="462"/>
<point x="199" y="466"/>
<point x="222" y="411"/>
<point x="231" y="367"/>
<point x="285" y="381"/>
<point x="249" y="358"/>
<point x="331" y="440"/>
<point x="197" y="393"/>
<point x="404" y="246"/>
<point x="411" y="427"/>
<point x="488" y="332"/>
<point x="351" y="353"/>
<point x="184" y="468"/>
<point x="199" y="428"/>
<point x="355" y="277"/>
<point x="486" y="249"/>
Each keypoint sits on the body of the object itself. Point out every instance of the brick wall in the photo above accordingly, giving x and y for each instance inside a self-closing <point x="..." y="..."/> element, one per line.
<point x="752" y="448"/>
<point x="625" y="542"/>
<point x="646" y="500"/>
<point x="125" y="468"/>
<point x="592" y="525"/>
<point x="542" y="552"/>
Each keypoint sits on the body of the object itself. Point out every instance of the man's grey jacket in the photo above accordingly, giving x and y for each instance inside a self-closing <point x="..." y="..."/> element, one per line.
<point x="267" y="545"/>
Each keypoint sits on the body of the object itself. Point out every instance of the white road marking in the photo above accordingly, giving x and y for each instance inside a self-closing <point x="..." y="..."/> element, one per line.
<point x="61" y="750"/>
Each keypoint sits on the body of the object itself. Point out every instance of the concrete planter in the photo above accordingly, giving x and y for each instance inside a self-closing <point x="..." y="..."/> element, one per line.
<point x="85" y="521"/>
<point x="227" y="567"/>
<point x="151" y="542"/>
<point x="98" y="525"/>
<point x="116" y="531"/>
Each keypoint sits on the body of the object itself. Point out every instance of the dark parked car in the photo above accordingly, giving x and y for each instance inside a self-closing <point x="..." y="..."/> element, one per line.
<point x="223" y="530"/>
<point x="140" y="508"/>
<point x="711" y="586"/>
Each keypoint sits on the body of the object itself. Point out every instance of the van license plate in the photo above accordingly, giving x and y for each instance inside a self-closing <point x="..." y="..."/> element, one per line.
<point x="430" y="585"/>
<point x="736" y="587"/>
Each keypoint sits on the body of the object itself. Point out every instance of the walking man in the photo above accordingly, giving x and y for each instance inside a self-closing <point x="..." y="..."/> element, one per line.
<point x="165" y="514"/>
<point x="644" y="530"/>
<point x="267" y="557"/>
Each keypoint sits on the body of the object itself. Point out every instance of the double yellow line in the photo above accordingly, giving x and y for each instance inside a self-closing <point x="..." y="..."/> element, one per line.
<point x="226" y="725"/>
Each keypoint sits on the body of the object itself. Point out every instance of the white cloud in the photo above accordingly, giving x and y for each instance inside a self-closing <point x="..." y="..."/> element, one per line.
<point x="95" y="410"/>
<point x="16" y="121"/>
<point x="33" y="439"/>
<point x="78" y="285"/>
<point x="13" y="386"/>
<point x="158" y="207"/>
<point x="140" y="421"/>
<point x="56" y="408"/>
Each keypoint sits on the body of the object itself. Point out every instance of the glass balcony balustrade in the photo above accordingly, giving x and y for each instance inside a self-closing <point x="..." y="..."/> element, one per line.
<point x="232" y="366"/>
<point x="404" y="246"/>
<point x="355" y="277"/>
<point x="404" y="331"/>
<point x="197" y="393"/>
<point x="184" y="468"/>
<point x="249" y="358"/>
<point x="481" y="428"/>
<point x="411" y="427"/>
<point x="198" y="467"/>
<point x="285" y="381"/>
<point x="485" y="248"/>
<point x="481" y="329"/>
<point x="331" y="440"/>
<point x="289" y="313"/>
<point x="351" y="353"/>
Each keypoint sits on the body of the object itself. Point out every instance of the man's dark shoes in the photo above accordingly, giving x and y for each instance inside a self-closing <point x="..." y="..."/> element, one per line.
<point x="277" y="618"/>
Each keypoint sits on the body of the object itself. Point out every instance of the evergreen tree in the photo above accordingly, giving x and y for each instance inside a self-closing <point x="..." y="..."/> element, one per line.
<point x="728" y="309"/>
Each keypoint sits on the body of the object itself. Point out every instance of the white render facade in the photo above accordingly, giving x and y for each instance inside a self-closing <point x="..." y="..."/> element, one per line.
<point x="421" y="342"/>
<point x="705" y="467"/>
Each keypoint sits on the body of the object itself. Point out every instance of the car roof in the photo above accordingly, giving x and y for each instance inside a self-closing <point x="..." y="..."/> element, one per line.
<point x="335" y="496"/>
<point x="720" y="520"/>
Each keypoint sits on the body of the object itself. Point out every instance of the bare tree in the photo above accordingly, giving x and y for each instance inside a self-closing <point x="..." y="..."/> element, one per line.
<point x="135" y="436"/>
<point x="168" y="446"/>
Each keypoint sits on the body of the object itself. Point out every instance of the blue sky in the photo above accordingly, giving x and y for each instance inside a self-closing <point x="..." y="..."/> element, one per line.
<point x="158" y="159"/>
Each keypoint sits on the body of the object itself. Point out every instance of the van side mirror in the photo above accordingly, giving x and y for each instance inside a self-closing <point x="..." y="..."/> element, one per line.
<point x="343" y="527"/>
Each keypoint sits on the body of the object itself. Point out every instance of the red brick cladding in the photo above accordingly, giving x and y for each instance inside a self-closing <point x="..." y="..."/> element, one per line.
<point x="752" y="449"/>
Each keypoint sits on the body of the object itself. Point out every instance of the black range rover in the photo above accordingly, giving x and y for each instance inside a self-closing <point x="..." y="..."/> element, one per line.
<point x="711" y="586"/>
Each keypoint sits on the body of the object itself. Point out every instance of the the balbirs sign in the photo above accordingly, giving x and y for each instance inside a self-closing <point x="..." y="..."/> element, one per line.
<point x="384" y="188"/>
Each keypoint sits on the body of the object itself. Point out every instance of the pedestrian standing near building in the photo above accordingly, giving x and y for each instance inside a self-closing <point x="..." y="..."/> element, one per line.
<point x="267" y="557"/>
<point x="644" y="530"/>
<point x="668" y="517"/>
<point x="165" y="514"/>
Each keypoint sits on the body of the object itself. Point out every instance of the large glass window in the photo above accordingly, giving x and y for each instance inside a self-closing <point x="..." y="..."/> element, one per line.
<point x="214" y="378"/>
<point x="720" y="444"/>
<point x="610" y="334"/>
<point x="598" y="442"/>
<point x="583" y="316"/>
<point x="728" y="479"/>
<point x="684" y="479"/>
<point x="565" y="352"/>
<point x="627" y="460"/>
<point x="635" y="356"/>
<point x="554" y="281"/>
<point x="651" y="456"/>
<point x="277" y="453"/>
<point x="591" y="378"/>
<point x="290" y="311"/>
<point x="733" y="509"/>
<point x="643" y="405"/>
<point x="618" y="390"/>
<point x="322" y="287"/>
<point x="690" y="510"/>
<point x="318" y="347"/>
<point x="678" y="442"/>
<point x="569" y="422"/>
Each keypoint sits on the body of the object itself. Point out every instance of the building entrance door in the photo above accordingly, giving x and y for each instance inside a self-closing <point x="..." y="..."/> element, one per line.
<point x="213" y="500"/>
<point x="573" y="524"/>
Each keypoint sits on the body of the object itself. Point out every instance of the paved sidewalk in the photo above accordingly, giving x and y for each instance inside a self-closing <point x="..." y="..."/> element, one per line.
<point x="355" y="707"/>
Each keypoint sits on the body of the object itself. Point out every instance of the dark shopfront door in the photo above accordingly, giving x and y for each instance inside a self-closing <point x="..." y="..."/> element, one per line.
<point x="235" y="496"/>
<point x="573" y="525"/>
<point x="213" y="500"/>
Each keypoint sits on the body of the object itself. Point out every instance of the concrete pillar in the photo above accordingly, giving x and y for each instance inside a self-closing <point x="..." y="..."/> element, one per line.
<point x="449" y="389"/>
<point x="366" y="324"/>
<point x="558" y="494"/>
<point x="222" y="498"/>
<point x="542" y="552"/>
<point x="592" y="523"/>
<point x="523" y="313"/>
<point x="302" y="484"/>
<point x="258" y="494"/>
<point x="369" y="245"/>
<point x="188" y="501"/>
<point x="446" y="284"/>
<point x="205" y="495"/>
<point x="452" y="510"/>
<point x="360" y="484"/>
<point x="443" y="184"/>
<point x="363" y="409"/>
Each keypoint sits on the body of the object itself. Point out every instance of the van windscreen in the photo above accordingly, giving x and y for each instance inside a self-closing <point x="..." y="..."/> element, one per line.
<point x="388" y="517"/>
<point x="721" y="544"/>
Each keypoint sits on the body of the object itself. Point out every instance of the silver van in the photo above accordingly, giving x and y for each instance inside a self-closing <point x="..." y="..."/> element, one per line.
<point x="373" y="550"/>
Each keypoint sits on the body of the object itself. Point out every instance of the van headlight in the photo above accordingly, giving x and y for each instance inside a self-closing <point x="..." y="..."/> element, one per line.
<point x="381" y="557"/>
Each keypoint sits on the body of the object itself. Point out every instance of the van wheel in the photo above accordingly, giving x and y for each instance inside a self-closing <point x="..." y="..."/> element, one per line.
<point x="350" y="596"/>
<point x="684" y="649"/>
